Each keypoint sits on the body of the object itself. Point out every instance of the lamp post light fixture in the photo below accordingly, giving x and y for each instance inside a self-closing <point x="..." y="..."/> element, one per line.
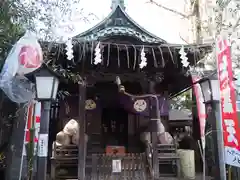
<point x="47" y="83"/>
<point x="211" y="95"/>
<point x="210" y="90"/>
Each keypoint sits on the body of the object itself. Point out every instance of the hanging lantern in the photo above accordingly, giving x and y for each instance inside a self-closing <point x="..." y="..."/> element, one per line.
<point x="69" y="49"/>
<point x="183" y="57"/>
<point x="143" y="62"/>
<point x="98" y="56"/>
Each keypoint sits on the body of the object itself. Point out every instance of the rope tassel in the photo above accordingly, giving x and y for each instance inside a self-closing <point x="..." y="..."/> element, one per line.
<point x="183" y="57"/>
<point x="98" y="55"/>
<point x="143" y="62"/>
<point x="69" y="49"/>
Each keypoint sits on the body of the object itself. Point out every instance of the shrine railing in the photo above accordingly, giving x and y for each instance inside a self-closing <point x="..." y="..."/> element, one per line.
<point x="148" y="154"/>
<point x="128" y="166"/>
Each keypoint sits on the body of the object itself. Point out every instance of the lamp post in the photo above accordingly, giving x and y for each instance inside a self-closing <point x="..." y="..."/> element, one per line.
<point x="46" y="91"/>
<point x="211" y="94"/>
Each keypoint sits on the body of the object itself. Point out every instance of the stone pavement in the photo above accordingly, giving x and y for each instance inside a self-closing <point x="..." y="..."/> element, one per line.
<point x="198" y="177"/>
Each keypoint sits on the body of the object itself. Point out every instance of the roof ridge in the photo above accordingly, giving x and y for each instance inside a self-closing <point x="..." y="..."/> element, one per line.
<point x="116" y="3"/>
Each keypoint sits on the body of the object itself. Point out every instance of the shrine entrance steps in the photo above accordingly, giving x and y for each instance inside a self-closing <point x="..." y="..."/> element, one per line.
<point x="169" y="161"/>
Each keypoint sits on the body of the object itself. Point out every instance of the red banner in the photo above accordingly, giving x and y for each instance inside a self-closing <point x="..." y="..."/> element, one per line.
<point x="231" y="131"/>
<point x="34" y="113"/>
<point x="33" y="116"/>
<point x="200" y="107"/>
<point x="29" y="122"/>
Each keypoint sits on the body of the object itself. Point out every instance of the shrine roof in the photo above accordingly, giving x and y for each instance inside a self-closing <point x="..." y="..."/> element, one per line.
<point x="118" y="23"/>
<point x="178" y="115"/>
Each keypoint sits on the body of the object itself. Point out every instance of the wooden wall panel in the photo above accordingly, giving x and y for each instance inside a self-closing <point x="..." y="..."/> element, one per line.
<point x="93" y="122"/>
<point x="143" y="120"/>
<point x="68" y="110"/>
<point x="93" y="117"/>
<point x="131" y="124"/>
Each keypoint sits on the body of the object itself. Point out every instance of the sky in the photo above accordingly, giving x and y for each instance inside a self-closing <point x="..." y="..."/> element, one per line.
<point x="162" y="23"/>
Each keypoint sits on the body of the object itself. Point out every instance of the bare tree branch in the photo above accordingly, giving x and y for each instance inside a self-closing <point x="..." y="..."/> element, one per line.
<point x="183" y="39"/>
<point x="236" y="24"/>
<point x="173" y="10"/>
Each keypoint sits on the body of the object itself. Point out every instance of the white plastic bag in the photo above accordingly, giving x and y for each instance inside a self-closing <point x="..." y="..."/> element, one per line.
<point x="30" y="55"/>
<point x="24" y="57"/>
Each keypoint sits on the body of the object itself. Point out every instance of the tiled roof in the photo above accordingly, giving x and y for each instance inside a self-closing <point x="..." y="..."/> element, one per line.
<point x="118" y="23"/>
<point x="118" y="30"/>
<point x="184" y="114"/>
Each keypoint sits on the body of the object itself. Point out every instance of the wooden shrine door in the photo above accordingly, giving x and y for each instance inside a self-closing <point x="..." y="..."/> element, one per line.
<point x="115" y="127"/>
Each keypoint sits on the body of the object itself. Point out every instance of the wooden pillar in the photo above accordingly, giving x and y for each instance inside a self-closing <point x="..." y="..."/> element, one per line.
<point x="154" y="116"/>
<point x="82" y="124"/>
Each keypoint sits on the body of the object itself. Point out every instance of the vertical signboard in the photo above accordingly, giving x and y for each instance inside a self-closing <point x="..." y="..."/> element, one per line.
<point x="37" y="122"/>
<point x="116" y="166"/>
<point x="231" y="129"/>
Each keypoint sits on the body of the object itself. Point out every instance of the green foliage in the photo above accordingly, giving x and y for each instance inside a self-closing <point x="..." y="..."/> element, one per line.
<point x="8" y="115"/>
<point x="46" y="18"/>
<point x="183" y="101"/>
<point x="42" y="17"/>
<point x="12" y="18"/>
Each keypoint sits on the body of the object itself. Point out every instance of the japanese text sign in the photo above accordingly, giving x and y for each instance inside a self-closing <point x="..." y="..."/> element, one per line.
<point x="231" y="133"/>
